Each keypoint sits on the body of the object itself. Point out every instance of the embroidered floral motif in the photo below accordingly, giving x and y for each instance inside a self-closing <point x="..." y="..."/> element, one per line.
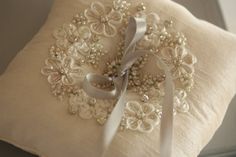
<point x="87" y="107"/>
<point x="79" y="104"/>
<point x="64" y="71"/>
<point x="65" y="35"/>
<point x="79" y="46"/>
<point x="141" y="117"/>
<point x="102" y="110"/>
<point x="103" y="19"/>
<point x="78" y="43"/>
<point x="180" y="103"/>
<point x="187" y="81"/>
<point x="179" y="60"/>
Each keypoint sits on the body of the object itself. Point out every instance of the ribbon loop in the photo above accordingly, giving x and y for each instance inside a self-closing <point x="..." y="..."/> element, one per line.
<point x="95" y="92"/>
<point x="135" y="31"/>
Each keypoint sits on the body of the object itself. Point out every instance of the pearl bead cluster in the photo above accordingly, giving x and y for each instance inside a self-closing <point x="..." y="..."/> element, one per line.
<point x="79" y="19"/>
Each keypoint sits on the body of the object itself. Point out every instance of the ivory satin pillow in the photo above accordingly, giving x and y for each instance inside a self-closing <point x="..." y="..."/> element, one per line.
<point x="36" y="121"/>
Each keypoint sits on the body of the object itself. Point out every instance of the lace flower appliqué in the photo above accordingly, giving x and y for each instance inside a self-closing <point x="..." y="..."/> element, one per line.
<point x="103" y="19"/>
<point x="65" y="71"/>
<point x="87" y="107"/>
<point x="141" y="117"/>
<point x="64" y="35"/>
<point x="180" y="103"/>
<point x="81" y="104"/>
<point x="179" y="61"/>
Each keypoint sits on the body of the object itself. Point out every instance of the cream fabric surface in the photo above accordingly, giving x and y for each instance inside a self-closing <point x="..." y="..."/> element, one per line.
<point x="32" y="119"/>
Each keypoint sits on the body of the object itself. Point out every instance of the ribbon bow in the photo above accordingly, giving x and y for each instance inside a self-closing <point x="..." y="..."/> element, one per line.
<point x="135" y="31"/>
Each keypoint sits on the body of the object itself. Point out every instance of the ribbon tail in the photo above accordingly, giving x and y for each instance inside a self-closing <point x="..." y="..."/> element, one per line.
<point x="114" y="120"/>
<point x="166" y="128"/>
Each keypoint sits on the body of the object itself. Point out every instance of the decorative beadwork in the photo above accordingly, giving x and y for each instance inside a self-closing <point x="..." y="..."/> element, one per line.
<point x="79" y="48"/>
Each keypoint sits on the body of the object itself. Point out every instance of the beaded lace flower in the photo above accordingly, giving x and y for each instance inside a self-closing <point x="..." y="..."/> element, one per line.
<point x="103" y="19"/>
<point x="83" y="45"/>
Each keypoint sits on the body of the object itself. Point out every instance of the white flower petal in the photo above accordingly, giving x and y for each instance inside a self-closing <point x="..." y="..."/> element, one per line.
<point x="115" y="17"/>
<point x="145" y="127"/>
<point x="132" y="123"/>
<point x="110" y="30"/>
<point x="85" y="111"/>
<point x="68" y="80"/>
<point x="148" y="108"/>
<point x="47" y="70"/>
<point x="59" y="33"/>
<point x="180" y="52"/>
<point x="97" y="27"/>
<point x="54" y="78"/>
<point x="91" y="16"/>
<point x="98" y="8"/>
<point x="189" y="59"/>
<point x="153" y="118"/>
<point x="133" y="107"/>
<point x="73" y="105"/>
<point x="153" y="18"/>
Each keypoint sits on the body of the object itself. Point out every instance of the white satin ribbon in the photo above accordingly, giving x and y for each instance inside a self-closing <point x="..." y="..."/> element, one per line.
<point x="135" y="31"/>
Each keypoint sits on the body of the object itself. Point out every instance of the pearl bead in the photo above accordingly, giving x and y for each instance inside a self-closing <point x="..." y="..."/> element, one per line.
<point x="84" y="32"/>
<point x="92" y="101"/>
<point x="145" y="98"/>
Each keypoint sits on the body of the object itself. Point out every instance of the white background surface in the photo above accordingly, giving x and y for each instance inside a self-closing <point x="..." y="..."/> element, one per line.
<point x="228" y="8"/>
